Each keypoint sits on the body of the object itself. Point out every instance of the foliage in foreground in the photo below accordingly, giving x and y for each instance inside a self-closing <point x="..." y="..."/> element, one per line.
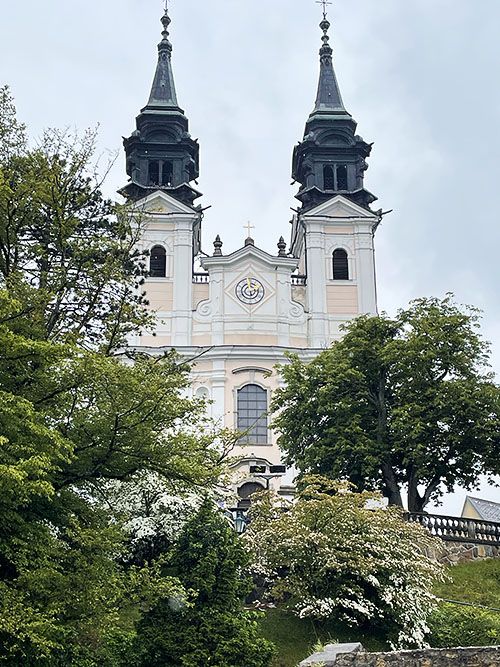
<point x="476" y="583"/>
<point x="211" y="627"/>
<point x="74" y="416"/>
<point x="452" y="625"/>
<point x="405" y="402"/>
<point x="335" y="553"/>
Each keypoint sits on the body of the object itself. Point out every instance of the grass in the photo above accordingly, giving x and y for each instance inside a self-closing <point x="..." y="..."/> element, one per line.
<point x="295" y="638"/>
<point x="477" y="582"/>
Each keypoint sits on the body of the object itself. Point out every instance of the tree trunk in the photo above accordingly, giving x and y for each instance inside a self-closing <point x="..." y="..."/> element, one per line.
<point x="392" y="490"/>
<point x="415" y="501"/>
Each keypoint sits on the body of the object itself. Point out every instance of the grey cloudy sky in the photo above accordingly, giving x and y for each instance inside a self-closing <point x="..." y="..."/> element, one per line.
<point x="420" y="77"/>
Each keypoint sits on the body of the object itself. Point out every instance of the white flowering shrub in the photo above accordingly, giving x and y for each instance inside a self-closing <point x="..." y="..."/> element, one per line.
<point x="151" y="513"/>
<point x="335" y="553"/>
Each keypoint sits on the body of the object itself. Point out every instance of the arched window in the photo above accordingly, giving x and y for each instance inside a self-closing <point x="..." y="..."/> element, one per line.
<point x="342" y="183"/>
<point x="340" y="265"/>
<point x="158" y="262"/>
<point x="252" y="415"/>
<point x="154" y="173"/>
<point x="328" y="178"/>
<point x="246" y="492"/>
<point x="167" y="173"/>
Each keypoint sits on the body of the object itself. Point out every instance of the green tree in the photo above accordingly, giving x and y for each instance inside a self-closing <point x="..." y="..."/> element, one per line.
<point x="336" y="554"/>
<point x="405" y="402"/>
<point x="12" y="132"/>
<point x="67" y="252"/>
<point x="75" y="414"/>
<point x="212" y="628"/>
<point x="70" y="421"/>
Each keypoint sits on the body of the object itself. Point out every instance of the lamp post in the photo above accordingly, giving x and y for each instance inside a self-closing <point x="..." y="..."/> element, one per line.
<point x="240" y="522"/>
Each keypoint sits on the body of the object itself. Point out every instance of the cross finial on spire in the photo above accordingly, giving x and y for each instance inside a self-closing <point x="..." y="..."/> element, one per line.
<point x="249" y="228"/>
<point x="325" y="4"/>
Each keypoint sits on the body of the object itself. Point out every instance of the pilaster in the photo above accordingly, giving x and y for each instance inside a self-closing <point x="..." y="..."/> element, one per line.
<point x="183" y="281"/>
<point x="219" y="391"/>
<point x="365" y="268"/>
<point x="316" y="284"/>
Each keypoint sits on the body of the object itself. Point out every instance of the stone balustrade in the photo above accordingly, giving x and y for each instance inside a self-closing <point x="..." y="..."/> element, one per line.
<point x="201" y="278"/>
<point x="459" y="529"/>
<point x="299" y="281"/>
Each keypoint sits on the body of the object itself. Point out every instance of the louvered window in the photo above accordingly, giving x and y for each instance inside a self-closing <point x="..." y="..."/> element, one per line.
<point x="252" y="415"/>
<point x="340" y="265"/>
<point x="158" y="262"/>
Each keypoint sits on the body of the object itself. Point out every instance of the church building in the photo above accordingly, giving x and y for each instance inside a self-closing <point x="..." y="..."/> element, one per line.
<point x="238" y="314"/>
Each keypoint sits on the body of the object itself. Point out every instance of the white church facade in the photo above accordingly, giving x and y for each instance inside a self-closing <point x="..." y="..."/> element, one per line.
<point x="238" y="314"/>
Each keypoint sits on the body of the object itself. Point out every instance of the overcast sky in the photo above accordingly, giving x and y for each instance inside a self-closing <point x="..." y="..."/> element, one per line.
<point x="419" y="76"/>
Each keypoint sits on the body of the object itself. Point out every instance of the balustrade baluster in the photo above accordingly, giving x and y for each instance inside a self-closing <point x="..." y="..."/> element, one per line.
<point x="458" y="529"/>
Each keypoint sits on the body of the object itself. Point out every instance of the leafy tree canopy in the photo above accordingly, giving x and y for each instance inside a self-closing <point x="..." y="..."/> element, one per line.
<point x="212" y="628"/>
<point x="76" y="414"/>
<point x="405" y="402"/>
<point x="336" y="554"/>
<point x="68" y="254"/>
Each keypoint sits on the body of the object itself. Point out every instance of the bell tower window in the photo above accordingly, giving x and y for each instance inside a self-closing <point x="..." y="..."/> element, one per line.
<point x="252" y="415"/>
<point x="158" y="262"/>
<point x="154" y="173"/>
<point x="342" y="177"/>
<point x="167" y="174"/>
<point x="335" y="177"/>
<point x="340" y="264"/>
<point x="328" y="178"/>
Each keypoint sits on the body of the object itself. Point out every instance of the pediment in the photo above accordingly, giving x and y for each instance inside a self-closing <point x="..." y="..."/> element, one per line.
<point x="161" y="202"/>
<point x="340" y="207"/>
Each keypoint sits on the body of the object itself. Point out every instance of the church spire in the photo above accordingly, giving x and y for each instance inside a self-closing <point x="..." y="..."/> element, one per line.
<point x="331" y="158"/>
<point x="328" y="98"/>
<point x="161" y="154"/>
<point x="163" y="90"/>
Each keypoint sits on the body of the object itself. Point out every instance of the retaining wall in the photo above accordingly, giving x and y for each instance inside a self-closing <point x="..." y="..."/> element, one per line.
<point x="452" y="553"/>
<point x="466" y="657"/>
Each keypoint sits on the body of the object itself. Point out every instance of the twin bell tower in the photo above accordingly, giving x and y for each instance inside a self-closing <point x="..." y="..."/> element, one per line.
<point x="241" y="312"/>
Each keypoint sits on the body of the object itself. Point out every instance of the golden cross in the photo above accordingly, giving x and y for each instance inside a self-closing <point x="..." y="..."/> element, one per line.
<point x="249" y="228"/>
<point x="325" y="4"/>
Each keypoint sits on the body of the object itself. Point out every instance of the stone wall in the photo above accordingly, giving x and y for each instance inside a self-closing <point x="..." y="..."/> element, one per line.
<point x="466" y="657"/>
<point x="452" y="553"/>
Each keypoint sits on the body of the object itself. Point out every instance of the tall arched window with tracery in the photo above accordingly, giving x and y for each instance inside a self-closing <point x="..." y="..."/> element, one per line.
<point x="252" y="415"/>
<point x="158" y="262"/>
<point x="340" y="264"/>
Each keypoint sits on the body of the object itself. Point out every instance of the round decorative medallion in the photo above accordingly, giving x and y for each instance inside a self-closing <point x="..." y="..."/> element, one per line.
<point x="250" y="291"/>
